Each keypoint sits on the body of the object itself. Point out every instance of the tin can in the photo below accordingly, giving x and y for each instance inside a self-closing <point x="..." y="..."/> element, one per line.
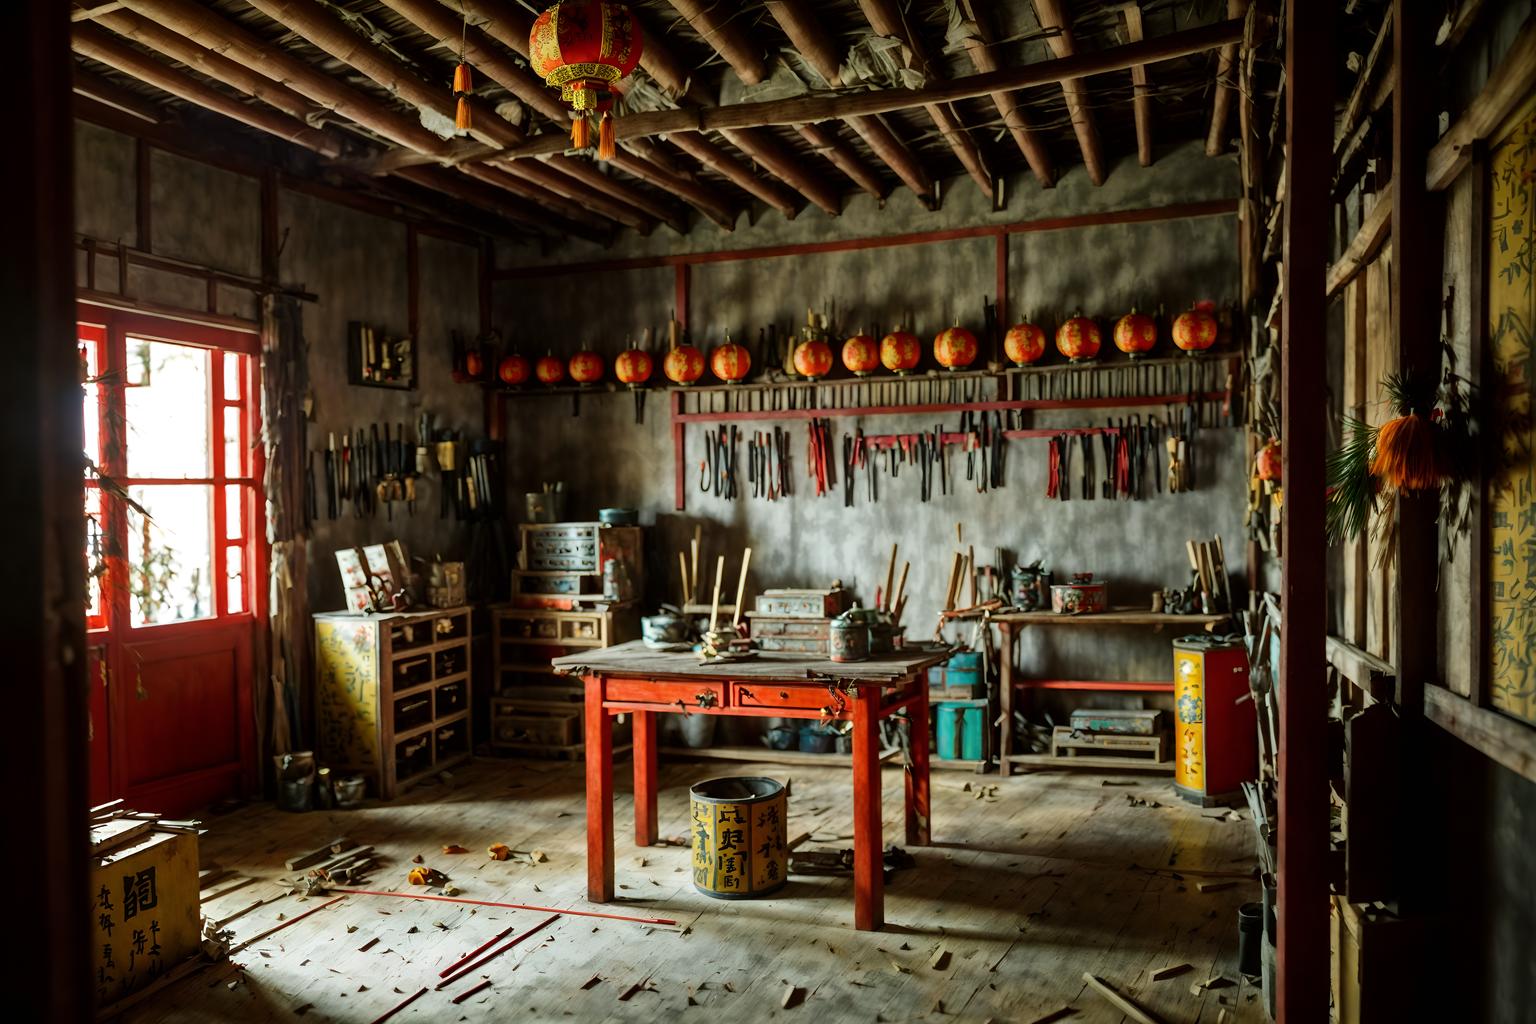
<point x="1083" y="596"/>
<point x="738" y="837"/>
<point x="847" y="640"/>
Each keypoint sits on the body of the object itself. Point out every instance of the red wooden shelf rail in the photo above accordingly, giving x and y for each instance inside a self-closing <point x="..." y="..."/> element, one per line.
<point x="1094" y="685"/>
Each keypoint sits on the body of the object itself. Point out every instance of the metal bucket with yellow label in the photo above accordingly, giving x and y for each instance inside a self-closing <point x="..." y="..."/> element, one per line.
<point x="738" y="837"/>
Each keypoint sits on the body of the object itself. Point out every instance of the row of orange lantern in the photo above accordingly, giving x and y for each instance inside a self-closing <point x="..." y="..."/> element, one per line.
<point x="1079" y="339"/>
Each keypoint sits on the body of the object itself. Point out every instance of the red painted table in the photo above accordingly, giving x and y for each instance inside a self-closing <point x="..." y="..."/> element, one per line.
<point x="633" y="679"/>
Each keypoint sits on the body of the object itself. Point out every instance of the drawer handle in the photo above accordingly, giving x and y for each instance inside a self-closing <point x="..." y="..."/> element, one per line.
<point x="706" y="698"/>
<point x="747" y="694"/>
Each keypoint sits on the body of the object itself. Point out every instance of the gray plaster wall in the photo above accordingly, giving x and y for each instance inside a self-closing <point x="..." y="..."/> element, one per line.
<point x="605" y="458"/>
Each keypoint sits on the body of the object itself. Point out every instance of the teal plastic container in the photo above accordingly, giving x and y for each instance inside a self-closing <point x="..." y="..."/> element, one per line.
<point x="963" y="669"/>
<point x="961" y="727"/>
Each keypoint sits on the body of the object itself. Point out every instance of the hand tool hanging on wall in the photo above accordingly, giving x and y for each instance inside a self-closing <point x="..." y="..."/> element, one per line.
<point x="311" y="499"/>
<point x="849" y="465"/>
<point x="1085" y="441"/>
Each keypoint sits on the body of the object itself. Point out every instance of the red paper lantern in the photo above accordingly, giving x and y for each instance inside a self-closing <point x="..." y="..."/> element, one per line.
<point x="550" y="370"/>
<point x="1267" y="465"/>
<point x="813" y="359"/>
<point x="514" y="370"/>
<point x="900" y="351"/>
<point x="474" y="364"/>
<point x="586" y="368"/>
<point x="683" y="365"/>
<point x="584" y="47"/>
<point x="1135" y="334"/>
<point x="1079" y="339"/>
<point x="730" y="362"/>
<point x="1194" y="330"/>
<point x="861" y="354"/>
<point x="1024" y="343"/>
<point x="633" y="367"/>
<point x="954" y="348"/>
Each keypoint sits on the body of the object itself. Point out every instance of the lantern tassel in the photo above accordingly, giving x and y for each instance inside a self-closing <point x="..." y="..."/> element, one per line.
<point x="1408" y="454"/>
<point x="463" y="120"/>
<point x="579" y="136"/>
<point x="607" y="148"/>
<point x="463" y="85"/>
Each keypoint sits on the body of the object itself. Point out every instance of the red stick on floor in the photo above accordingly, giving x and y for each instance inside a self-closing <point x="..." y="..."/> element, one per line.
<point x="493" y="954"/>
<point x="475" y="952"/>
<point x="292" y="920"/>
<point x="407" y="1001"/>
<point x="510" y="906"/>
<point x="469" y="992"/>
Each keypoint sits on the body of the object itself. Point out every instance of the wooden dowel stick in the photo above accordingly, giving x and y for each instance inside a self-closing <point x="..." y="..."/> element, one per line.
<point x="1119" y="1001"/>
<point x="682" y="566"/>
<point x="292" y="920"/>
<point x="901" y="588"/>
<point x="487" y="944"/>
<point x="954" y="581"/>
<point x="471" y="991"/>
<point x="970" y="571"/>
<point x="493" y="954"/>
<point x="402" y="1004"/>
<point x="693" y="582"/>
<point x="890" y="580"/>
<point x="714" y="604"/>
<point x="741" y="586"/>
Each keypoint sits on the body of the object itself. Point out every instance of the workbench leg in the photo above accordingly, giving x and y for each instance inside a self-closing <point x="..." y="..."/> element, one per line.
<point x="917" y="770"/>
<point x="868" y="841"/>
<point x="645" y="778"/>
<point x="599" y="738"/>
<point x="1005" y="699"/>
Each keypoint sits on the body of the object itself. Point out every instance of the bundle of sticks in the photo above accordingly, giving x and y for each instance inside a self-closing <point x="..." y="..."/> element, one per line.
<point x="1208" y="566"/>
<point x="892" y="598"/>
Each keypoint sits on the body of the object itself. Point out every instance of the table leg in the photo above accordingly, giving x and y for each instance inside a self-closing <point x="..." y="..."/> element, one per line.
<point x="918" y="727"/>
<point x="645" y="778"/>
<point x="868" y="842"/>
<point x="1005" y="700"/>
<point x="598" y="730"/>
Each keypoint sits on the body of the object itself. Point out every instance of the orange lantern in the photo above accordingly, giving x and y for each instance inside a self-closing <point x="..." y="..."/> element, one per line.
<point x="730" y="361"/>
<point x="813" y="358"/>
<point x="474" y="364"/>
<point x="1135" y="334"/>
<point x="683" y="365"/>
<point x="1194" y="331"/>
<point x="1024" y="343"/>
<point x="1267" y="464"/>
<point x="900" y="351"/>
<point x="1079" y="339"/>
<point x="861" y="354"/>
<point x="633" y="367"/>
<point x="514" y="370"/>
<point x="584" y="47"/>
<point x="550" y="370"/>
<point x="586" y="368"/>
<point x="954" y="348"/>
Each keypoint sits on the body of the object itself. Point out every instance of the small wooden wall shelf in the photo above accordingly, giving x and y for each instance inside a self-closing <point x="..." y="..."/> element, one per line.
<point x="392" y="694"/>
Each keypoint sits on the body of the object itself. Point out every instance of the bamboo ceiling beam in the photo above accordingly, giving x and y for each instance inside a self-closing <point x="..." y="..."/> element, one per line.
<point x="699" y="195"/>
<point x="213" y="32"/>
<point x="979" y="48"/>
<point x="1226" y="71"/>
<point x="100" y="45"/>
<point x="716" y="23"/>
<point x="587" y="173"/>
<point x="737" y="173"/>
<point x="807" y="36"/>
<point x="887" y="20"/>
<point x="811" y="109"/>
<point x="93" y="86"/>
<point x="824" y="140"/>
<point x="179" y="48"/>
<point x="1142" y="98"/>
<point x="1063" y="44"/>
<point x="766" y="149"/>
<point x="496" y="200"/>
<point x="547" y="177"/>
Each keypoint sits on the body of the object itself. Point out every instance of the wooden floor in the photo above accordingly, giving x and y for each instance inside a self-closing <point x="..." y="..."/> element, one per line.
<point x="1056" y="875"/>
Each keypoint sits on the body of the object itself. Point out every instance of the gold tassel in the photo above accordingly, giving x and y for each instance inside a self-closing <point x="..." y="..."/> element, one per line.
<point x="462" y="87"/>
<point x="607" y="148"/>
<point x="579" y="137"/>
<point x="1408" y="454"/>
<point x="461" y="115"/>
<point x="461" y="79"/>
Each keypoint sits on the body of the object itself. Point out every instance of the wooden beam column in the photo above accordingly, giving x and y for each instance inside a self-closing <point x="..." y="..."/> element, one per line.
<point x="1226" y="82"/>
<point x="978" y="47"/>
<point x="1064" y="44"/>
<point x="1302" y="910"/>
<point x="1142" y="100"/>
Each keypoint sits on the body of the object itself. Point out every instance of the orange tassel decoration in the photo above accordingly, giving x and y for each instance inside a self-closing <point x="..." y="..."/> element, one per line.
<point x="463" y="85"/>
<point x="579" y="134"/>
<point x="1408" y="454"/>
<point x="607" y="147"/>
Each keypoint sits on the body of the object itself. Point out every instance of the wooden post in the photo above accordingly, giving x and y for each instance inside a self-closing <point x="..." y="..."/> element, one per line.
<point x="918" y="805"/>
<point x="868" y="843"/>
<point x="40" y="398"/>
<point x="645" y="778"/>
<point x="598" y="732"/>
<point x="1303" y="897"/>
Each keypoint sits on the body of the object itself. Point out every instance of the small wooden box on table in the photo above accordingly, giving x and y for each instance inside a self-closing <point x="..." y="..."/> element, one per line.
<point x="1011" y="624"/>
<point x="392" y="694"/>
<point x="632" y="679"/>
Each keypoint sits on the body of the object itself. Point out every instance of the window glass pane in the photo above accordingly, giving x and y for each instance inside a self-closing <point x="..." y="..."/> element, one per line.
<point x="95" y="556"/>
<point x="170" y="554"/>
<point x="233" y="365"/>
<point x="90" y="368"/>
<point x="167" y="410"/>
<point x="234" y="511"/>
<point x="234" y="451"/>
<point x="234" y="572"/>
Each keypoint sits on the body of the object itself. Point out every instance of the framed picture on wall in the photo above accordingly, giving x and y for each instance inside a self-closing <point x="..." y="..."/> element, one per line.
<point x="376" y="360"/>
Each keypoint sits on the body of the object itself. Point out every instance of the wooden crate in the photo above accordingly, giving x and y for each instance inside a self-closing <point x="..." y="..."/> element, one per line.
<point x="1066" y="742"/>
<point x="517" y="722"/>
<point x="392" y="694"/>
<point x="145" y="915"/>
<point x="796" y="633"/>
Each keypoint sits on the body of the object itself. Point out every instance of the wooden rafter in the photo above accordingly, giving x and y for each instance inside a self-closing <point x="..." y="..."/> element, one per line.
<point x="700" y="195"/>
<point x="1226" y="73"/>
<point x="807" y="35"/>
<point x="737" y="173"/>
<point x="93" y="86"/>
<point x="495" y="200"/>
<point x="782" y="162"/>
<point x="721" y="27"/>
<point x="979" y="48"/>
<point x="1142" y="98"/>
<point x="824" y="140"/>
<point x="586" y="172"/>
<point x="885" y="17"/>
<point x="1064" y="44"/>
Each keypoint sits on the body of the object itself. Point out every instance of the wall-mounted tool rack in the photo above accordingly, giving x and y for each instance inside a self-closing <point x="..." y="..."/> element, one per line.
<point x="1209" y="381"/>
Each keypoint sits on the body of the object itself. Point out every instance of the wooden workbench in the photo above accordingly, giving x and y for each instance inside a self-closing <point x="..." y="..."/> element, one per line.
<point x="633" y="679"/>
<point x="1010" y="624"/>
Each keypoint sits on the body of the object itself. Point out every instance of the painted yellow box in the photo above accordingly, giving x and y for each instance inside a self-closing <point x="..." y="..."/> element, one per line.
<point x="144" y="911"/>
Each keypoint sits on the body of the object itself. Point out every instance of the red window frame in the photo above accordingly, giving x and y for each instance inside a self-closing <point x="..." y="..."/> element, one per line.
<point x="234" y="361"/>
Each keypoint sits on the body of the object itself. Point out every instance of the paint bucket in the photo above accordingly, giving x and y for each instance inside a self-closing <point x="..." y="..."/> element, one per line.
<point x="961" y="726"/>
<point x="782" y="737"/>
<point x="847" y="639"/>
<point x="816" y="739"/>
<point x="350" y="790"/>
<point x="1250" y="939"/>
<point x="738" y="837"/>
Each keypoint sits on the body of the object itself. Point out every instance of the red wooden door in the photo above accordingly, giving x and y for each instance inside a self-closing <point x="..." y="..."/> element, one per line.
<point x="172" y="509"/>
